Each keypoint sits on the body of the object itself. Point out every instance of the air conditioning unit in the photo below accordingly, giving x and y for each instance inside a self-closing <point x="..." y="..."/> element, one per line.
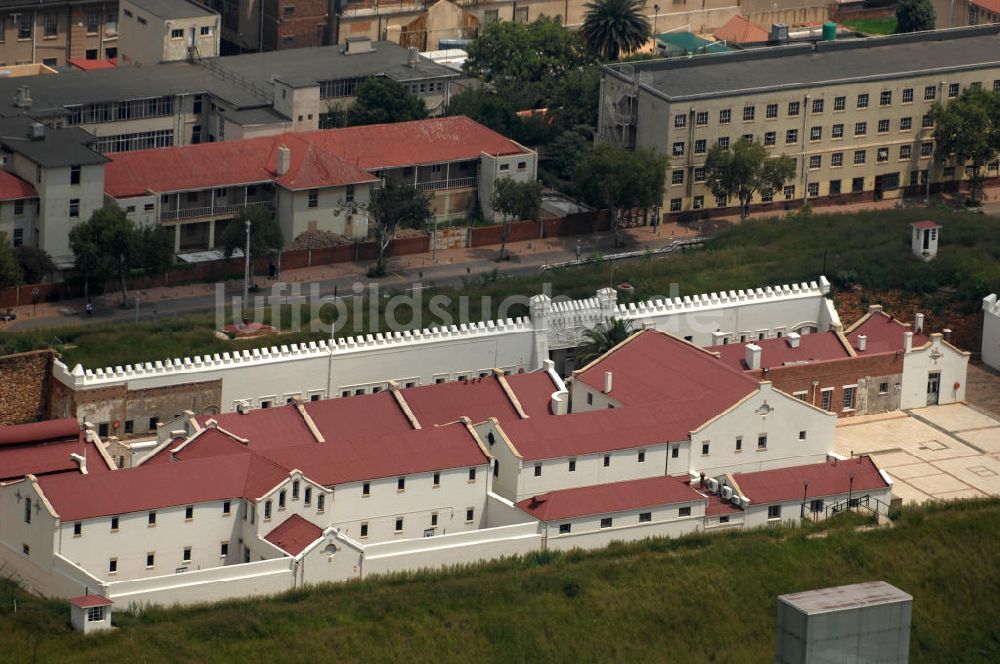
<point x="735" y="500"/>
<point x="727" y="492"/>
<point x="713" y="484"/>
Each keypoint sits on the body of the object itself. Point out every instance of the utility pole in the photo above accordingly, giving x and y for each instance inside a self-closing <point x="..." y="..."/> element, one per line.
<point x="246" y="270"/>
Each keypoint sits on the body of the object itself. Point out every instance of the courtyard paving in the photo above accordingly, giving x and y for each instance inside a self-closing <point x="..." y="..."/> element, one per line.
<point x="938" y="452"/>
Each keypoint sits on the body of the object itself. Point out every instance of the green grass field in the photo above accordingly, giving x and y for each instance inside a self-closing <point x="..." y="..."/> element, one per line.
<point x="869" y="249"/>
<point x="874" y="26"/>
<point x="705" y="598"/>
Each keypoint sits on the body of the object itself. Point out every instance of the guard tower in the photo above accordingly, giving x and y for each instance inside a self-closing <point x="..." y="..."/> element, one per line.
<point x="90" y="613"/>
<point x="924" y="240"/>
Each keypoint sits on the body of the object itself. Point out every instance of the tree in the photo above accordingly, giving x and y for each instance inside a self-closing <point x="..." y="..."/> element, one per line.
<point x="10" y="271"/>
<point x="614" y="27"/>
<point x="745" y="170"/>
<point x="154" y="248"/>
<point x="601" y="339"/>
<point x="620" y="180"/>
<point x="393" y="207"/>
<point x="265" y="234"/>
<point x="517" y="54"/>
<point x="515" y="200"/>
<point x="380" y="100"/>
<point x="487" y="108"/>
<point x="564" y="151"/>
<point x="914" y="16"/>
<point x="575" y="99"/>
<point x="967" y="131"/>
<point x="105" y="247"/>
<point x="35" y="263"/>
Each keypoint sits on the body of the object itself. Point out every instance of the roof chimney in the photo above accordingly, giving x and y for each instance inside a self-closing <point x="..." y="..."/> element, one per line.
<point x="81" y="460"/>
<point x="794" y="338"/>
<point x="412" y="56"/>
<point x="907" y="341"/>
<point x="918" y="324"/>
<point x="607" y="382"/>
<point x="753" y="356"/>
<point x="284" y="160"/>
<point x="947" y="333"/>
<point x="862" y="342"/>
<point x="874" y="308"/>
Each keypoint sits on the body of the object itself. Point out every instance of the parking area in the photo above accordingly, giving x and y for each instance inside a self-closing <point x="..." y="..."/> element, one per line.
<point x="938" y="452"/>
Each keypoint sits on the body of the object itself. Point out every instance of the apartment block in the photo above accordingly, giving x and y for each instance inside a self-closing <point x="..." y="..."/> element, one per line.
<point x="166" y="31"/>
<point x="52" y="32"/>
<point x="853" y="115"/>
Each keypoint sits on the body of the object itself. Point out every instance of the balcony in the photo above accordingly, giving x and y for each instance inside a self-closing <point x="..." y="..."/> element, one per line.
<point x="212" y="211"/>
<point x="435" y="185"/>
<point x="381" y="7"/>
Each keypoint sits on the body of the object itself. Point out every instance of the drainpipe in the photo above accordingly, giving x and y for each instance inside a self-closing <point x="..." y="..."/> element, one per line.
<point x="805" y="137"/>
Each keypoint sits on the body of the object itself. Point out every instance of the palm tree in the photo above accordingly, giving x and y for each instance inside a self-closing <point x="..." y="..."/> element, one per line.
<point x="613" y="27"/>
<point x="603" y="338"/>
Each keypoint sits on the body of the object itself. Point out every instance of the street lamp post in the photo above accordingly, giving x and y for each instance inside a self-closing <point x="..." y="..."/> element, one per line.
<point x="656" y="15"/>
<point x="805" y="493"/>
<point x="246" y="269"/>
<point x="850" y="490"/>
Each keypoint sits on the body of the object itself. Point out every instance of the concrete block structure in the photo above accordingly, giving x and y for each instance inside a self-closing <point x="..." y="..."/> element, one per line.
<point x="924" y="239"/>
<point x="154" y="31"/>
<point x="863" y="622"/>
<point x="855" y="116"/>
<point x="90" y="613"/>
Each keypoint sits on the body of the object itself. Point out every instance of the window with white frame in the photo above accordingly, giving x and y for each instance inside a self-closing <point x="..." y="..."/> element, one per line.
<point x="770" y="138"/>
<point x="774" y="511"/>
<point x="675" y="205"/>
<point x="837" y="131"/>
<point x="905" y="124"/>
<point x="885" y="98"/>
<point x="815" y="161"/>
<point x="863" y="100"/>
<point x="700" y="146"/>
<point x="907" y="95"/>
<point x="680" y="121"/>
<point x="905" y="151"/>
<point x="849" y="391"/>
<point x="815" y="133"/>
<point x="677" y="176"/>
<point x="826" y="398"/>
<point x="817" y="106"/>
<point x="860" y="128"/>
<point x="725" y="116"/>
<point x="839" y="103"/>
<point x="748" y="113"/>
<point x="882" y="155"/>
<point x="792" y="136"/>
<point x="930" y="92"/>
<point x="813" y="188"/>
<point x="789" y="192"/>
<point x="701" y="118"/>
<point x="859" y="157"/>
<point x="883" y="126"/>
<point x="771" y="111"/>
<point x="793" y="109"/>
<point x="698" y="203"/>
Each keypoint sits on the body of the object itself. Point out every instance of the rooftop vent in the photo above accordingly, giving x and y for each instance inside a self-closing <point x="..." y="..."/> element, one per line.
<point x="753" y="356"/>
<point x="36" y="131"/>
<point x="412" y="56"/>
<point x="779" y="33"/>
<point x="284" y="160"/>
<point x="794" y="338"/>
<point x="357" y="45"/>
<point x="22" y="98"/>
<point x="862" y="343"/>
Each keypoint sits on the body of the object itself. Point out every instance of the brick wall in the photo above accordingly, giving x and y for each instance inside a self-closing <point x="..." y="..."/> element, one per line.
<point x="25" y="385"/>
<point x="868" y="373"/>
<point x="295" y="23"/>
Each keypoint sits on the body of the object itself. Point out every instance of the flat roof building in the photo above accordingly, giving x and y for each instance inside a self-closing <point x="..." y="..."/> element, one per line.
<point x="854" y="115"/>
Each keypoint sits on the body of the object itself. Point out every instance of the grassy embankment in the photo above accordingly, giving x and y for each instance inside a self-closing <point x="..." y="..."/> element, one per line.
<point x="885" y="25"/>
<point x="869" y="249"/>
<point x="705" y="598"/>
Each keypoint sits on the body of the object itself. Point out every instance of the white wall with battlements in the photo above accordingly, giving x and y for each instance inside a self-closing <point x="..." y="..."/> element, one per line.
<point x="991" y="331"/>
<point x="359" y="364"/>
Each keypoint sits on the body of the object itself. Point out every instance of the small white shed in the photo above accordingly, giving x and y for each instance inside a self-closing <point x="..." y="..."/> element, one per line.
<point x="90" y="613"/>
<point x="924" y="241"/>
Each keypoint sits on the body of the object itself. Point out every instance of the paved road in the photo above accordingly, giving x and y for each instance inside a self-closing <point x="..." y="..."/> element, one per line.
<point x="440" y="274"/>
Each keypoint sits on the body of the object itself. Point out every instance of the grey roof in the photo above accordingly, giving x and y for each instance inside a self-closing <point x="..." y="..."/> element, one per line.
<point x="839" y="598"/>
<point x="255" y="116"/>
<point x="57" y="147"/>
<point x="173" y="9"/>
<point x="301" y="67"/>
<point x="825" y="63"/>
<point x="304" y="67"/>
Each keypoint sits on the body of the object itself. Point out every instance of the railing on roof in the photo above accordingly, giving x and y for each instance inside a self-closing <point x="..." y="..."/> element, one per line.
<point x="210" y="211"/>
<point x="213" y="65"/>
<point x="435" y="185"/>
<point x="366" y="7"/>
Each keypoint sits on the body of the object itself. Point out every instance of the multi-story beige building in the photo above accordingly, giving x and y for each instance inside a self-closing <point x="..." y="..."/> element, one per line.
<point x="154" y="31"/>
<point x="855" y="116"/>
<point x="55" y="31"/>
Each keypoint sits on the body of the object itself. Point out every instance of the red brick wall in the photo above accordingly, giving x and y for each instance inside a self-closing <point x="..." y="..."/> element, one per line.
<point x="835" y="374"/>
<point x="295" y="23"/>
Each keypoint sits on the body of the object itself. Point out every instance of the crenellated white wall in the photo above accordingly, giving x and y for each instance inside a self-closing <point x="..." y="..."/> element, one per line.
<point x="991" y="331"/>
<point x="327" y="369"/>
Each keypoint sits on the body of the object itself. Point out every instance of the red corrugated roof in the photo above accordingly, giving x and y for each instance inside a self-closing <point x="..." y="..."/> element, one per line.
<point x="610" y="498"/>
<point x="478" y="399"/>
<point x="777" y="352"/>
<point x="322" y="158"/>
<point x="49" y="458"/>
<point x="653" y="367"/>
<point x="349" y="418"/>
<point x="534" y="391"/>
<point x="161" y="485"/>
<point x="88" y="601"/>
<point x="925" y="224"/>
<point x="988" y="5"/>
<point x="13" y="188"/>
<point x="278" y="426"/>
<point x="885" y="334"/>
<point x="717" y="506"/>
<point x="416" y="451"/>
<point x="91" y="65"/>
<point x="741" y="30"/>
<point x="825" y="479"/>
<point x="294" y="534"/>
<point x="40" y="432"/>
<point x="209" y="442"/>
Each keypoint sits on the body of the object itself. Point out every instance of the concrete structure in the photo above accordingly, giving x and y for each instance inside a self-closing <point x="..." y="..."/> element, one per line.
<point x="138" y="396"/>
<point x="854" y="115"/>
<point x="991" y="331"/>
<point x="90" y="613"/>
<point x="862" y="622"/>
<point x="216" y="99"/>
<point x="154" y="31"/>
<point x="924" y="239"/>
<point x="321" y="180"/>
<point x="52" y="32"/>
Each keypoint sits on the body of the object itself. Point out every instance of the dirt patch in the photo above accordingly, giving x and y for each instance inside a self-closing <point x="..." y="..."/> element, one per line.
<point x="982" y="388"/>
